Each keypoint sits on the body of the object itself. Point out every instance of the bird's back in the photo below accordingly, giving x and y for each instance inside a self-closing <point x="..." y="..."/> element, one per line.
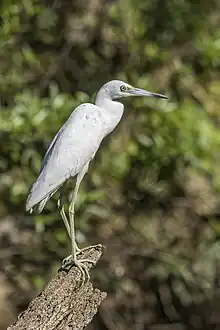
<point x="71" y="149"/>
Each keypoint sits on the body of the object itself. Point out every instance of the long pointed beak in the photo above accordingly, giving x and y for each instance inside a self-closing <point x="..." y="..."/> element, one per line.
<point x="142" y="92"/>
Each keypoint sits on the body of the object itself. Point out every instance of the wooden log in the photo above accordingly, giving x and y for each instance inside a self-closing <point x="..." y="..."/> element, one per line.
<point x="65" y="303"/>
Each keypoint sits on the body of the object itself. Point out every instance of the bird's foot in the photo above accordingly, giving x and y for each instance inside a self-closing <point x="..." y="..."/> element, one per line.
<point x="70" y="261"/>
<point x="78" y="250"/>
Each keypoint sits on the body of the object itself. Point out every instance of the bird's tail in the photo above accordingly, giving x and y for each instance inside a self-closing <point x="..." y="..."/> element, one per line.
<point x="38" y="205"/>
<point x="42" y="204"/>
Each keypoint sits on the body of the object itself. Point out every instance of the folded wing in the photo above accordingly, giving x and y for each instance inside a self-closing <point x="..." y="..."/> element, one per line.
<point x="71" y="149"/>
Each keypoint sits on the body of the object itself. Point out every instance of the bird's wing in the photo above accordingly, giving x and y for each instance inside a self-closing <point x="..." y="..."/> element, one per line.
<point x="71" y="149"/>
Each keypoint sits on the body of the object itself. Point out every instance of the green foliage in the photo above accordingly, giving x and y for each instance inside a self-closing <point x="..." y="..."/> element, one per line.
<point x="161" y="162"/>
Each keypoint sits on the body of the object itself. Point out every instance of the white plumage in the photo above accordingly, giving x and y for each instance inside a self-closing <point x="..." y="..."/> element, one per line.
<point x="75" y="145"/>
<point x="72" y="148"/>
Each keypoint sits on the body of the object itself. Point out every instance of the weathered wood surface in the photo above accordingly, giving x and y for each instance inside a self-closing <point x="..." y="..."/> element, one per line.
<point x="64" y="303"/>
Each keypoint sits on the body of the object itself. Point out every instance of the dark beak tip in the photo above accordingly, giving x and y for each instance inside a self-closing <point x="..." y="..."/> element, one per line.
<point x="161" y="96"/>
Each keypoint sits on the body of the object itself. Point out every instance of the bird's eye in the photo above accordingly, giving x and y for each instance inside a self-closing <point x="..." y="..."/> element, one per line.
<point x="123" y="88"/>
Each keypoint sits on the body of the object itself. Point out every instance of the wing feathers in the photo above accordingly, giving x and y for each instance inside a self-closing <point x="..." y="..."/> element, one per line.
<point x="72" y="148"/>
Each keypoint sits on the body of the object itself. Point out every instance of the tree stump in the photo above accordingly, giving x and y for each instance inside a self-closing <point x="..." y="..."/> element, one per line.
<point x="65" y="303"/>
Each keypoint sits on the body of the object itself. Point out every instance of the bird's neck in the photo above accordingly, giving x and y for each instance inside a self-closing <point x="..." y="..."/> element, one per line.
<point x="112" y="111"/>
<point x="104" y="101"/>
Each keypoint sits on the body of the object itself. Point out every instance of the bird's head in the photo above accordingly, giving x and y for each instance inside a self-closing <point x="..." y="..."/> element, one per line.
<point x="117" y="89"/>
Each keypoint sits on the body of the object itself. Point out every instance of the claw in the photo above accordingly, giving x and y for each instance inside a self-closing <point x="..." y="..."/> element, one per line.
<point x="78" y="250"/>
<point x="69" y="261"/>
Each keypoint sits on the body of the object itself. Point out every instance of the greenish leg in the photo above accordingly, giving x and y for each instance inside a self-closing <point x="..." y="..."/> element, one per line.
<point x="72" y="259"/>
<point x="63" y="215"/>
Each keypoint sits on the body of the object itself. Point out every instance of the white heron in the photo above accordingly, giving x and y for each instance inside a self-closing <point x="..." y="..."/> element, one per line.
<point x="73" y="148"/>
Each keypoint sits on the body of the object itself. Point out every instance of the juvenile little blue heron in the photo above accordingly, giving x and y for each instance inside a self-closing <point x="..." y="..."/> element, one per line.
<point x="72" y="149"/>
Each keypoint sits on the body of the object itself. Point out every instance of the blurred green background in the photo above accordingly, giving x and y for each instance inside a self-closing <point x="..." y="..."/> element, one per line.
<point x="152" y="192"/>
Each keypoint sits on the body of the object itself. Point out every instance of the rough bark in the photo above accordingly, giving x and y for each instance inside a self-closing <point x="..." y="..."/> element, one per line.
<point x="64" y="303"/>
